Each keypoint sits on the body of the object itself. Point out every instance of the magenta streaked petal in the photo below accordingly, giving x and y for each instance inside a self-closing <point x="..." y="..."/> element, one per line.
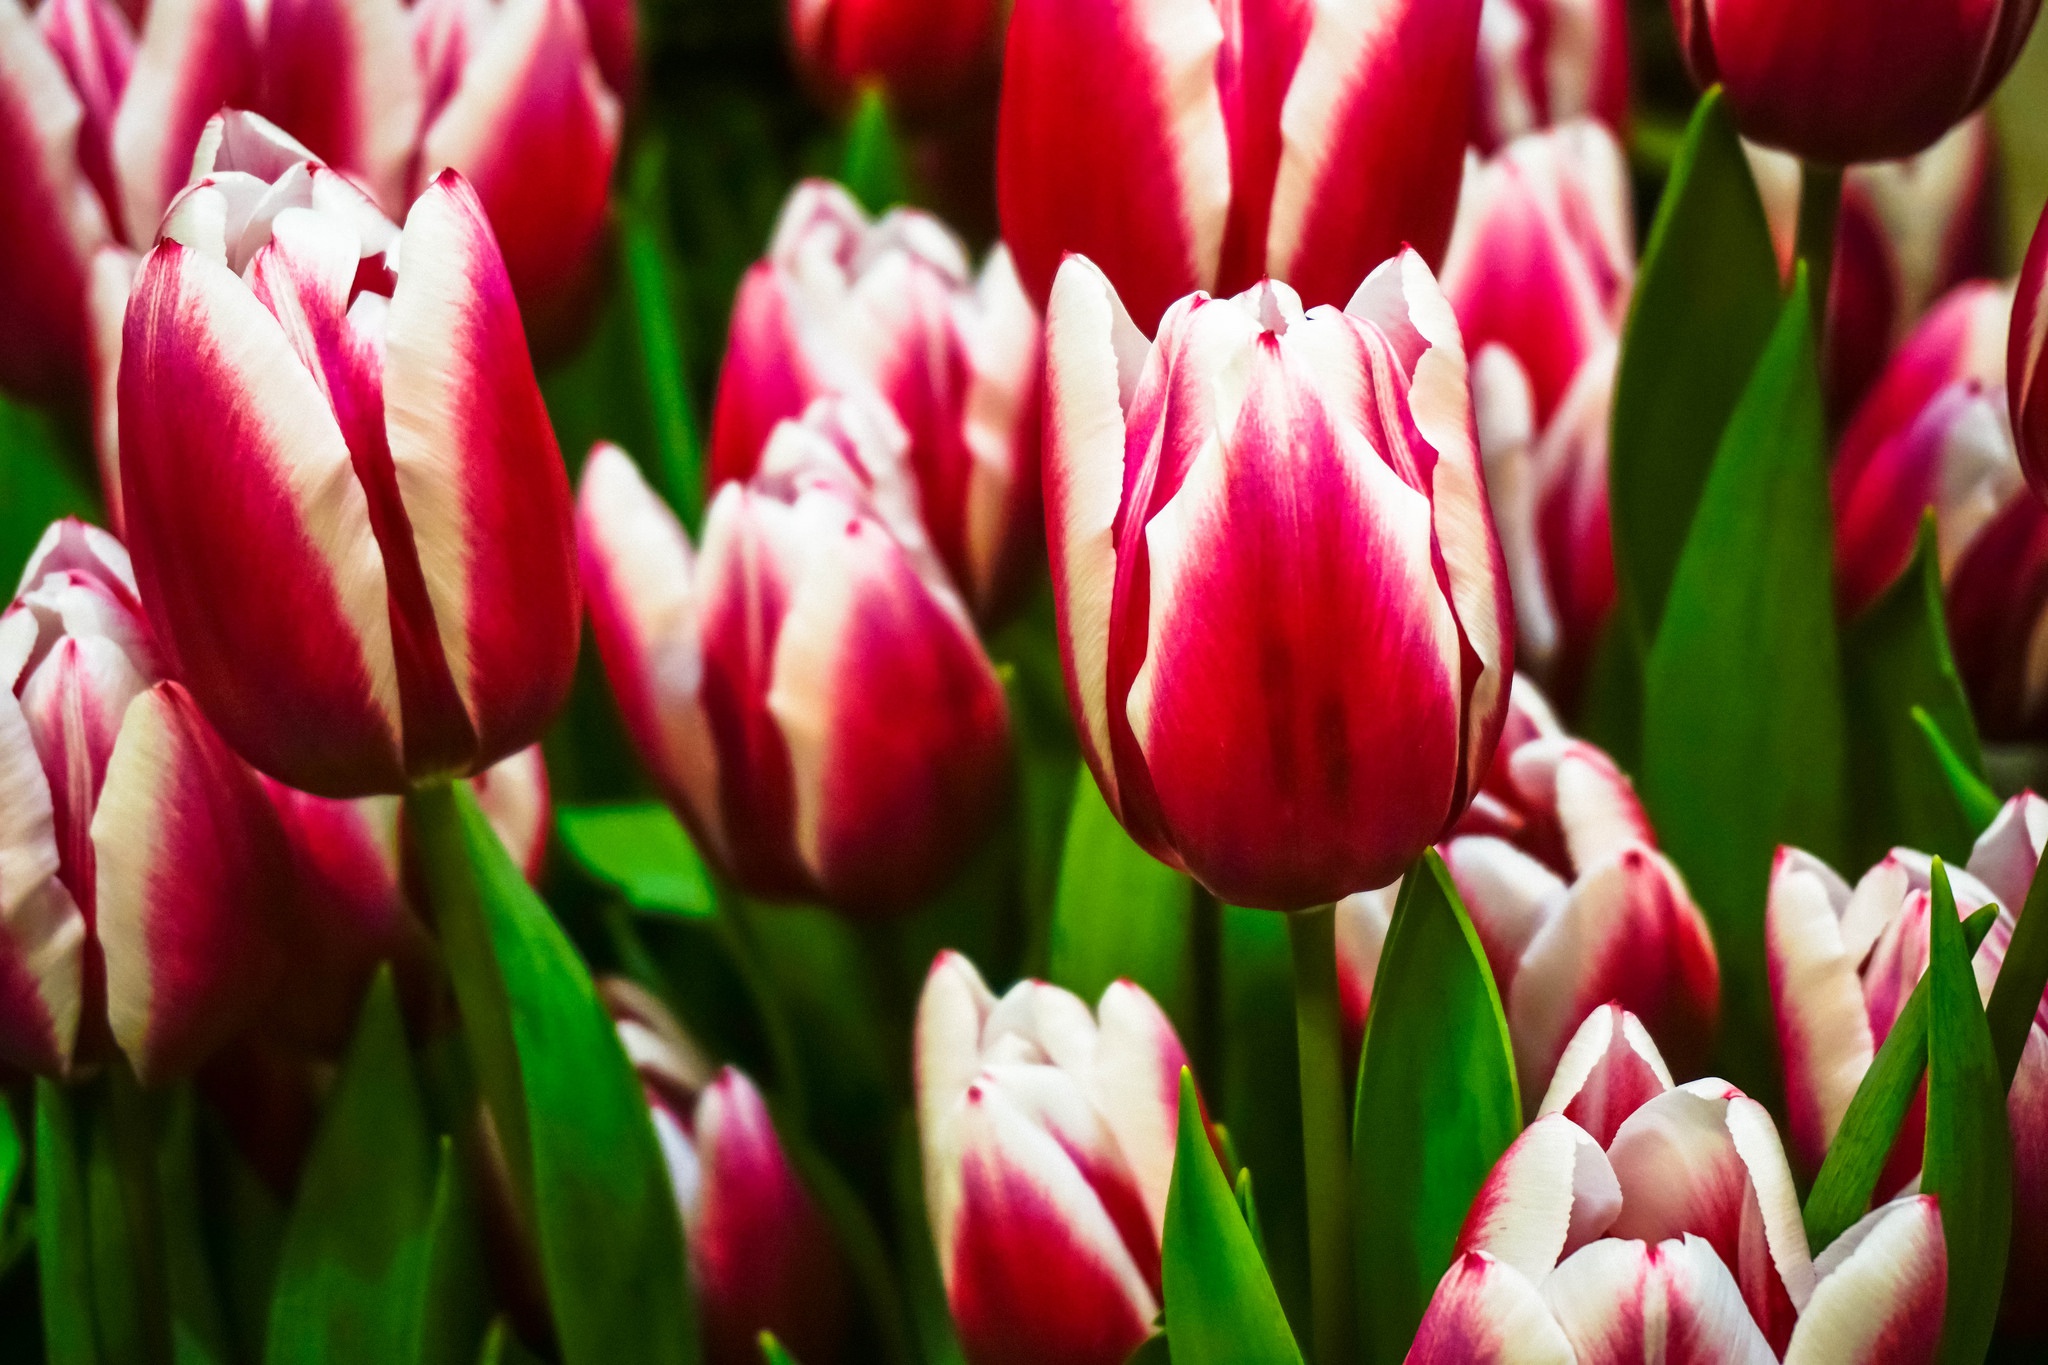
<point x="2025" y="392"/>
<point x="1610" y="1069"/>
<point x="1881" y="1289"/>
<point x="1510" y="896"/>
<point x="1626" y="1302"/>
<point x="196" y="56"/>
<point x="1485" y="1312"/>
<point x="113" y="272"/>
<point x="96" y="44"/>
<point x="1136" y="1082"/>
<point x="2025" y="1314"/>
<point x="513" y="793"/>
<point x="946" y="1055"/>
<point x="340" y="74"/>
<point x="1550" y="1193"/>
<point x="764" y="378"/>
<point x="2009" y="849"/>
<point x="1824" y="1033"/>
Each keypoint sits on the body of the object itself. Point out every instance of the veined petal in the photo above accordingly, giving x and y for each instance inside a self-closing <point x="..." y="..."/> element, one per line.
<point x="1610" y="1069"/>
<point x="1484" y="1312"/>
<point x="196" y="57"/>
<point x="340" y="74"/>
<point x="1550" y="1193"/>
<point x="1824" y="1032"/>
<point x="1881" y="1290"/>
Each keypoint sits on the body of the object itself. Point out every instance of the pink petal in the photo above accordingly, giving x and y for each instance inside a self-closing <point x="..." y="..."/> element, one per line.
<point x="1362" y="921"/>
<point x="340" y="75"/>
<point x="1262" y="47"/>
<point x="1674" y="1303"/>
<point x="1881" y="1290"/>
<point x="2025" y="1313"/>
<point x="1484" y="1312"/>
<point x="2009" y="850"/>
<point x="513" y="793"/>
<point x="1824" y="1033"/>
<point x="196" y="56"/>
<point x="764" y="378"/>
<point x="2024" y="389"/>
<point x="1610" y="1069"/>
<point x="96" y="44"/>
<point x="113" y="272"/>
<point x="946" y="1056"/>
<point x="1550" y="1193"/>
<point x="1136" y="1083"/>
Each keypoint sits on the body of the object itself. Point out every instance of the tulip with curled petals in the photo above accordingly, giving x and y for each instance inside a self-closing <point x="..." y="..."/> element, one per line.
<point x="1048" y="1138"/>
<point x="142" y="873"/>
<point x="1559" y="868"/>
<point x="1843" y="962"/>
<point x="807" y="689"/>
<point x="1539" y="271"/>
<point x="349" y="517"/>
<point x="763" y="1256"/>
<point x="1840" y="81"/>
<point x="1221" y="143"/>
<point x="1283" y="615"/>
<point x="842" y="303"/>
<point x="925" y="55"/>
<point x="1545" y="62"/>
<point x="1671" y="1231"/>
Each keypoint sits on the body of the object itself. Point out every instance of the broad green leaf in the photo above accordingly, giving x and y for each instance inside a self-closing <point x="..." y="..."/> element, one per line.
<point x="1849" y="1174"/>
<point x="198" y="1330"/>
<point x="39" y="482"/>
<point x="1705" y="300"/>
<point x="1156" y="1349"/>
<point x="1438" y="1103"/>
<point x="640" y="850"/>
<point x="587" y="1171"/>
<point x="452" y="1300"/>
<point x="773" y="1352"/>
<point x="1261" y="1105"/>
<point x="1118" y="912"/>
<point x="1973" y="796"/>
<point x="872" y="167"/>
<point x="2022" y="978"/>
<point x="1969" y="1150"/>
<point x="1220" y="1306"/>
<point x="1743" y="732"/>
<point x="1895" y="658"/>
<point x="63" y="1230"/>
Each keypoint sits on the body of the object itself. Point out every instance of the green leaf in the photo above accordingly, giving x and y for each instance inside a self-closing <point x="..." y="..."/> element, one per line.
<point x="39" y="482"/>
<point x="63" y="1230"/>
<point x="355" y="1251"/>
<point x="773" y="1352"/>
<point x="1848" y="1176"/>
<point x="652" y="280"/>
<point x="858" y="1239"/>
<point x="198" y="1328"/>
<point x="1261" y="1103"/>
<point x="1118" y="911"/>
<point x="640" y="850"/>
<point x="502" y="1346"/>
<point x="1438" y="1103"/>
<point x="453" y="1300"/>
<point x="1220" y="1306"/>
<point x="1156" y="1349"/>
<point x="1248" y="1205"/>
<point x="1895" y="660"/>
<point x="1969" y="1150"/>
<point x="2022" y="978"/>
<point x="1973" y="796"/>
<point x="1743" y="732"/>
<point x="1705" y="300"/>
<point x="872" y="167"/>
<point x="587" y="1171"/>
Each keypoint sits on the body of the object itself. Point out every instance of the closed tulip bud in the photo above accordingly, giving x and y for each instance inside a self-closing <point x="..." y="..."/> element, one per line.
<point x="842" y="303"/>
<point x="349" y="516"/>
<point x="762" y="1255"/>
<point x="1283" y="614"/>
<point x="1839" y="82"/>
<point x="926" y="54"/>
<point x="1048" y="1138"/>
<point x="807" y="689"/>
<point x="1220" y="144"/>
<point x="1575" y="906"/>
<point x="145" y="869"/>
<point x="1539" y="271"/>
<point x="1545" y="62"/>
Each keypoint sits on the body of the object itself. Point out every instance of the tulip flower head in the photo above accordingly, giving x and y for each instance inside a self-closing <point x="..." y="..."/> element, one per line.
<point x="2027" y="391"/>
<point x="1545" y="62"/>
<point x="842" y="303"/>
<point x="925" y="54"/>
<point x="1838" y="81"/>
<point x="1283" y="613"/>
<point x="144" y="869"/>
<point x="1560" y="872"/>
<point x="807" y="688"/>
<point x="1220" y="143"/>
<point x="350" y="521"/>
<point x="1048" y="1137"/>
<point x="1675" y="1235"/>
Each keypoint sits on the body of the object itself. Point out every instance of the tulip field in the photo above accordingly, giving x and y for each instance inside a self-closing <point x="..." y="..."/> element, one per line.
<point x="1023" y="682"/>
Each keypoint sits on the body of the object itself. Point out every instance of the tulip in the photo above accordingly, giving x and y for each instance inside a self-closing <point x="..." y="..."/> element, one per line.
<point x="842" y="303"/>
<point x="1048" y="1139"/>
<point x="807" y="689"/>
<point x="1837" y="82"/>
<point x="762" y="1255"/>
<point x="1184" y="144"/>
<point x="1559" y="870"/>
<point x="2025" y="391"/>
<point x="350" y="521"/>
<point x="1546" y="62"/>
<point x="926" y="54"/>
<point x="1909" y="231"/>
<point x="1282" y="609"/>
<point x="1539" y="270"/>
<point x="1843" y="963"/>
<point x="144" y="870"/>
<point x="1674" y="1236"/>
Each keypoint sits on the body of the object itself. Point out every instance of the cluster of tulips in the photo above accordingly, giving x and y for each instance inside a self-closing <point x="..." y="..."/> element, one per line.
<point x="1298" y="412"/>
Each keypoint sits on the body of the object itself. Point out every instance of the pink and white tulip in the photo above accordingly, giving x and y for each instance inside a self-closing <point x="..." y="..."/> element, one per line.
<point x="841" y="303"/>
<point x="1539" y="271"/>
<point x="1559" y="869"/>
<point x="1219" y="144"/>
<point x="769" y="680"/>
<point x="1674" y="1236"/>
<point x="349" y="517"/>
<point x="762" y="1254"/>
<point x="1048" y="1137"/>
<point x="926" y="55"/>
<point x="145" y="873"/>
<point x="1543" y="63"/>
<point x="1283" y="614"/>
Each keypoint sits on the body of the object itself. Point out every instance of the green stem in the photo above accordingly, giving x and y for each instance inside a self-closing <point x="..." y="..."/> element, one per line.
<point x="737" y="933"/>
<point x="1325" y="1129"/>
<point x="134" y="1150"/>
<point x="1820" y="204"/>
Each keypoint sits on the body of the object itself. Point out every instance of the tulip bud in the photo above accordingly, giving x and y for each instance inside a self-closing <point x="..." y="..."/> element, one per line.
<point x="926" y="54"/>
<point x="767" y="680"/>
<point x="145" y="869"/>
<point x="762" y="1255"/>
<point x="1222" y="144"/>
<point x="350" y="520"/>
<point x="1838" y="82"/>
<point x="1559" y="870"/>
<point x="841" y="303"/>
<point x="1283" y="614"/>
<point x="1048" y="1138"/>
<point x="1539" y="271"/>
<point x="1545" y="62"/>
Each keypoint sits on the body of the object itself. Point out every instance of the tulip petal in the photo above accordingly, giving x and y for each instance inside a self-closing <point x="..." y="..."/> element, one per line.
<point x="2009" y="849"/>
<point x="946" y="1057"/>
<point x="1881" y="1290"/>
<point x="1610" y="1069"/>
<point x="1824" y="1030"/>
<point x="191" y="871"/>
<point x="1550" y="1193"/>
<point x="1135" y="1080"/>
<point x="196" y="56"/>
<point x="1485" y="1312"/>
<point x="2026" y="392"/>
<point x="340" y="74"/>
<point x="1624" y="1302"/>
<point x="2027" y="1112"/>
<point x="513" y="795"/>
